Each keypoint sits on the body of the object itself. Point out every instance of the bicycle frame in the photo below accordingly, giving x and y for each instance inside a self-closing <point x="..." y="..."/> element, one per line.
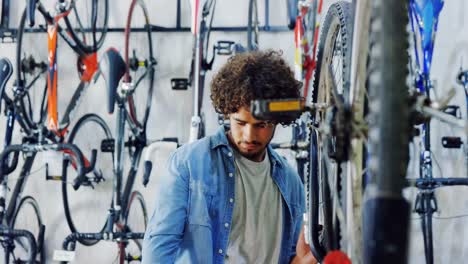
<point x="118" y="210"/>
<point x="424" y="17"/>
<point x="89" y="69"/>
<point x="305" y="54"/>
<point x="139" y="143"/>
<point x="200" y="64"/>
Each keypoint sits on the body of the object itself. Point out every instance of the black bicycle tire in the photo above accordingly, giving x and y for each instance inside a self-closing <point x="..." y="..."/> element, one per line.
<point x="25" y="106"/>
<point x="141" y="122"/>
<point x="338" y="17"/>
<point x="136" y="196"/>
<point x="76" y="38"/>
<point x="65" y="182"/>
<point x="250" y="30"/>
<point x="426" y="228"/>
<point x="35" y="206"/>
<point x="389" y="134"/>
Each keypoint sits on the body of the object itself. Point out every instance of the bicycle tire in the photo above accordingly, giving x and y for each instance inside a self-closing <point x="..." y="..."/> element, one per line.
<point x="32" y="222"/>
<point x="252" y="26"/>
<point x="98" y="18"/>
<point x="31" y="70"/>
<point x="335" y="38"/>
<point x="389" y="133"/>
<point x="140" y="62"/>
<point x="96" y="197"/>
<point x="134" y="222"/>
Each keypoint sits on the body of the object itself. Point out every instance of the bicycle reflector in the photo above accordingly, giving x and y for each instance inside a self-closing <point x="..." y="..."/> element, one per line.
<point x="282" y="111"/>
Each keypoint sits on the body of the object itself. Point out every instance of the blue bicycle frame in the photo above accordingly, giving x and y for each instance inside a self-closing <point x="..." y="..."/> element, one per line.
<point x="424" y="17"/>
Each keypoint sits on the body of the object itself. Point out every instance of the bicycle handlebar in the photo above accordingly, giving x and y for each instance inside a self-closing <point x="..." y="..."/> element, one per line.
<point x="150" y="150"/>
<point x="42" y="147"/>
<point x="7" y="232"/>
<point x="436" y="182"/>
<point x="6" y="70"/>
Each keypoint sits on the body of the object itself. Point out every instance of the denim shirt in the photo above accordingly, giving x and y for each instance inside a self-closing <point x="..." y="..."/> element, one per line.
<point x="195" y="201"/>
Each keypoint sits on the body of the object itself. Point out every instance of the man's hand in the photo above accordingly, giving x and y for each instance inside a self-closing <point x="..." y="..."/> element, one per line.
<point x="303" y="253"/>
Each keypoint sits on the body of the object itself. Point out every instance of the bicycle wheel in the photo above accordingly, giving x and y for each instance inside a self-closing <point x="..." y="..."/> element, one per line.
<point x="253" y="26"/>
<point x="31" y="69"/>
<point x="389" y="130"/>
<point x="87" y="23"/>
<point x="28" y="217"/>
<point x="331" y="87"/>
<point x="86" y="208"/>
<point x="140" y="62"/>
<point x="135" y="221"/>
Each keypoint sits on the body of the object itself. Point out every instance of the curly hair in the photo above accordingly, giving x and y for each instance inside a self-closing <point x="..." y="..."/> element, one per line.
<point x="251" y="76"/>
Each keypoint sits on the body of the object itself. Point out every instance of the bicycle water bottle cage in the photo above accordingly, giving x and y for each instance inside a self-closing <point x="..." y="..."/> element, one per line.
<point x="6" y="69"/>
<point x="31" y="12"/>
<point x="180" y="84"/>
<point x="112" y="67"/>
<point x="279" y="110"/>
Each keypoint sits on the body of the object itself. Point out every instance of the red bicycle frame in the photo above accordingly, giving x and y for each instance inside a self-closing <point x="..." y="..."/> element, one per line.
<point x="305" y="61"/>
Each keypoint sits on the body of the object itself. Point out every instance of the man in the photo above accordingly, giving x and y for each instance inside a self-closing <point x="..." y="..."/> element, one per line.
<point x="230" y="197"/>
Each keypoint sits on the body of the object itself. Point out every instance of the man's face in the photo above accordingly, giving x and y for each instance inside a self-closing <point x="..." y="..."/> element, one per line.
<point x="249" y="135"/>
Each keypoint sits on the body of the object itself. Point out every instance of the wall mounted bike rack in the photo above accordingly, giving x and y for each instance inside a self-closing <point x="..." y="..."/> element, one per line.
<point x="8" y="34"/>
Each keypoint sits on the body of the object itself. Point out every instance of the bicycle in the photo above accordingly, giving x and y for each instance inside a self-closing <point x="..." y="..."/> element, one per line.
<point x="306" y="36"/>
<point x="125" y="220"/>
<point x="423" y="47"/>
<point x="37" y="72"/>
<point x="202" y="19"/>
<point x="21" y="225"/>
<point x="253" y="22"/>
<point x="36" y="87"/>
<point x="361" y="125"/>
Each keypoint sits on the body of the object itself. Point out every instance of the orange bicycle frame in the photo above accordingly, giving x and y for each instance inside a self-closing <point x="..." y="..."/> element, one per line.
<point x="90" y="66"/>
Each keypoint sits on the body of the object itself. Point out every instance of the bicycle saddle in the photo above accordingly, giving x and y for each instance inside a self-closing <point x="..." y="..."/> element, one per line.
<point x="112" y="68"/>
<point x="6" y="69"/>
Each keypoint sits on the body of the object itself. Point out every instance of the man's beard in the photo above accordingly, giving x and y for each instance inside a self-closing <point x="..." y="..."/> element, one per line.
<point x="253" y="155"/>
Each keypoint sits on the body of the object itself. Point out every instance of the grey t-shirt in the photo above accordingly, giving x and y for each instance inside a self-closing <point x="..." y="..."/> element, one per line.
<point x="257" y="222"/>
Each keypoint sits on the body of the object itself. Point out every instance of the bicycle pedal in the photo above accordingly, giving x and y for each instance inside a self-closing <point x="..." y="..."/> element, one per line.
<point x="284" y="110"/>
<point x="180" y="84"/>
<point x="453" y="110"/>
<point x="108" y="145"/>
<point x="452" y="142"/>
<point x="224" y="47"/>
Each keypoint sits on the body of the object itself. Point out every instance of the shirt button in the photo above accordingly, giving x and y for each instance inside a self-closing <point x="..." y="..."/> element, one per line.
<point x="231" y="200"/>
<point x="230" y="174"/>
<point x="220" y="251"/>
<point x="226" y="225"/>
<point x="230" y="154"/>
